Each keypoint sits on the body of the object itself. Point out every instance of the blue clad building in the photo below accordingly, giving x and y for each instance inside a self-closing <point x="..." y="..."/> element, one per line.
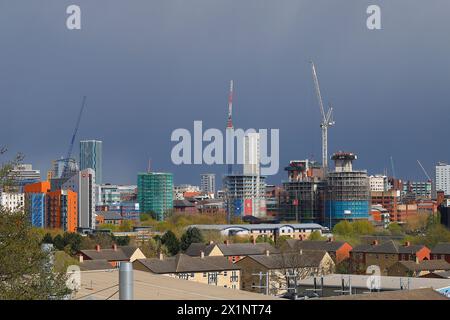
<point x="36" y="208"/>
<point x="348" y="191"/>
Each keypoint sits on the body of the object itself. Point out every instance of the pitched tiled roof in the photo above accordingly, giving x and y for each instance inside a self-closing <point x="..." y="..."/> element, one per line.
<point x="95" y="265"/>
<point x="185" y="263"/>
<point x="388" y="247"/>
<point x="289" y="260"/>
<point x="121" y="254"/>
<point x="441" y="248"/>
<point x="231" y="249"/>
<point x="426" y="265"/>
<point x="329" y="246"/>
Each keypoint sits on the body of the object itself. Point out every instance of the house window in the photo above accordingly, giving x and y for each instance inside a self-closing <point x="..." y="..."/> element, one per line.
<point x="212" y="278"/>
<point x="204" y="274"/>
<point x="234" y="277"/>
<point x="225" y="273"/>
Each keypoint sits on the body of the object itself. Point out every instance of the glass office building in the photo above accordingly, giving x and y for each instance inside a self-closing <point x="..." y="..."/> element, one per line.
<point x="91" y="157"/>
<point x="155" y="193"/>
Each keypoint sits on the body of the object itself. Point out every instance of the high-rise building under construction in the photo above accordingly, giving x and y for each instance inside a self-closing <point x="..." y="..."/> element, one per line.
<point x="347" y="191"/>
<point x="302" y="199"/>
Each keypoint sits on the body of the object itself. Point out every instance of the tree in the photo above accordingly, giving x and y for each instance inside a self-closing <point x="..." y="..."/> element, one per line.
<point x="343" y="228"/>
<point x="316" y="235"/>
<point x="152" y="248"/>
<point x="26" y="270"/>
<point x="47" y="238"/>
<point x="73" y="241"/>
<point x="192" y="235"/>
<point x="395" y="229"/>
<point x="58" y="242"/>
<point x="170" y="240"/>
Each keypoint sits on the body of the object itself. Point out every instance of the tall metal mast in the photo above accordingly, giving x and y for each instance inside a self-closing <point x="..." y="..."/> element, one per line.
<point x="229" y="120"/>
<point x="327" y="120"/>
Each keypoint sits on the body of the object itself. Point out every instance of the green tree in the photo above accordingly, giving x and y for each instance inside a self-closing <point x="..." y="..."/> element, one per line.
<point x="395" y="229"/>
<point x="343" y="228"/>
<point x="73" y="241"/>
<point x="170" y="240"/>
<point x="362" y="227"/>
<point x="47" y="238"/>
<point x="26" y="270"/>
<point x="192" y="235"/>
<point x="316" y="235"/>
<point x="58" y="242"/>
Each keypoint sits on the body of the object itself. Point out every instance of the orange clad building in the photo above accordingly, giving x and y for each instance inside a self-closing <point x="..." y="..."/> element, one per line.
<point x="38" y="187"/>
<point x="62" y="210"/>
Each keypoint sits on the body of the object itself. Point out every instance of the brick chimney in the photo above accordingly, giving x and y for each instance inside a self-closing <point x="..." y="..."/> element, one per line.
<point x="97" y="247"/>
<point x="330" y="239"/>
<point x="267" y="252"/>
<point x="161" y="256"/>
<point x="114" y="246"/>
<point x="253" y="240"/>
<point x="202" y="254"/>
<point x="375" y="242"/>
<point x="407" y="243"/>
<point x="211" y="242"/>
<point x="227" y="242"/>
<point x="300" y="237"/>
<point x="80" y="258"/>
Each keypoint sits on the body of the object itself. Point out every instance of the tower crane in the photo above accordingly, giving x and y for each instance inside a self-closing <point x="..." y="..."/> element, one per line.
<point x="69" y="152"/>
<point x="424" y="171"/>
<point x="327" y="119"/>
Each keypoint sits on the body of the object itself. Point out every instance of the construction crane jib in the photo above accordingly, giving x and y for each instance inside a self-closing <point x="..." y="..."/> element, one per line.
<point x="327" y="119"/>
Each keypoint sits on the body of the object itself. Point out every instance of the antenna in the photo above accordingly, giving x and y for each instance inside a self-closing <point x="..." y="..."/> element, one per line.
<point x="149" y="165"/>
<point x="230" y="106"/>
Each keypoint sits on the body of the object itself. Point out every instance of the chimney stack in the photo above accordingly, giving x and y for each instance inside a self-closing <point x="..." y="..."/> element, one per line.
<point x="407" y="243"/>
<point x="114" y="246"/>
<point x="300" y="237"/>
<point x="97" y="247"/>
<point x="375" y="242"/>
<point x="227" y="242"/>
<point x="202" y="254"/>
<point x="211" y="242"/>
<point x="301" y="251"/>
<point x="80" y="258"/>
<point x="161" y="256"/>
<point x="253" y="240"/>
<point x="267" y="252"/>
<point x="330" y="239"/>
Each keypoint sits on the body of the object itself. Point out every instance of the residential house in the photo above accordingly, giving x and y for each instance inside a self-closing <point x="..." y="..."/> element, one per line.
<point x="109" y="217"/>
<point x="386" y="254"/>
<point x="441" y="251"/>
<point x="417" y="269"/>
<point x="213" y="270"/>
<point x="281" y="269"/>
<point x="233" y="251"/>
<point x="114" y="256"/>
<point x="338" y="250"/>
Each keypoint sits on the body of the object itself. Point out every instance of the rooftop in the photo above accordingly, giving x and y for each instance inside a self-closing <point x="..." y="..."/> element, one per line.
<point x="441" y="248"/>
<point x="147" y="286"/>
<point x="415" y="294"/>
<point x="387" y="282"/>
<point x="388" y="247"/>
<point x="289" y="260"/>
<point x="185" y="263"/>
<point x="328" y="246"/>
<point x="231" y="249"/>
<point x="121" y="253"/>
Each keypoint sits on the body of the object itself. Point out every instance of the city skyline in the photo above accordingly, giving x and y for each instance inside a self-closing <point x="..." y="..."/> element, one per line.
<point x="386" y="93"/>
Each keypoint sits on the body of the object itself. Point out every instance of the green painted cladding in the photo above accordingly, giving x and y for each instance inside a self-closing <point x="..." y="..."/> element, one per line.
<point x="155" y="193"/>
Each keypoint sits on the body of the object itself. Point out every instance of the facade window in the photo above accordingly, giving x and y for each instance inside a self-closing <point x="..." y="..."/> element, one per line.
<point x="204" y="274"/>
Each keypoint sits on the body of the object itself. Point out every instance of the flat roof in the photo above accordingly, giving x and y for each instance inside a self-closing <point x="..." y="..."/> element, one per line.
<point x="387" y="282"/>
<point x="99" y="285"/>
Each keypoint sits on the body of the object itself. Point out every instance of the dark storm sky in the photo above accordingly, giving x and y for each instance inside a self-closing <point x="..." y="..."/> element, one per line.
<point x="151" y="66"/>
